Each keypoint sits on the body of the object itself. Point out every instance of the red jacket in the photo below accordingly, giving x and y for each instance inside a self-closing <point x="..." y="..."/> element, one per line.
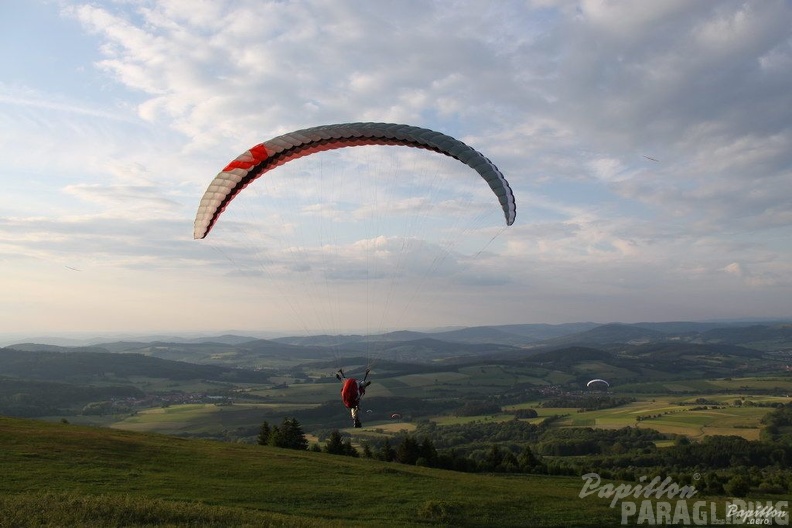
<point x="351" y="392"/>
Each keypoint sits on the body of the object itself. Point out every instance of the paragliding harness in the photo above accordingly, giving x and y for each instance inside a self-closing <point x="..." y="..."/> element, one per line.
<point x="351" y="393"/>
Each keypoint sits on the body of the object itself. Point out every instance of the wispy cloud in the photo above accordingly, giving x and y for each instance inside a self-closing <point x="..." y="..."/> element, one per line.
<point x="574" y="101"/>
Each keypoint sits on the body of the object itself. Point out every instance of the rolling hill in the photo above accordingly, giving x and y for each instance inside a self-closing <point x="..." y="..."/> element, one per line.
<point x="87" y="366"/>
<point x="62" y="474"/>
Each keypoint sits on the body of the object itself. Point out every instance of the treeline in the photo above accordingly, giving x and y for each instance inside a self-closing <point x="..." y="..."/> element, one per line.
<point x="79" y="366"/>
<point x="289" y="435"/>
<point x="587" y="441"/>
<point x="421" y="451"/>
<point x="545" y="439"/>
<point x="404" y="449"/>
<point x="413" y="450"/>
<point x="477" y="408"/>
<point x="586" y="402"/>
<point x="417" y="450"/>
<point x="723" y="464"/>
<point x="778" y="425"/>
<point x="729" y="464"/>
<point x="32" y="399"/>
<point x="475" y="447"/>
<point x="716" y="465"/>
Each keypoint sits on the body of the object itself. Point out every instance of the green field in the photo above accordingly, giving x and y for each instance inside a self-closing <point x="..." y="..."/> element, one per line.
<point x="61" y="474"/>
<point x="196" y="418"/>
<point x="668" y="416"/>
<point x="664" y="413"/>
<point x="745" y="386"/>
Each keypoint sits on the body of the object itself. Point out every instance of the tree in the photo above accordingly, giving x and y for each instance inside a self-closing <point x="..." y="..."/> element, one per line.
<point x="494" y="457"/>
<point x="428" y="453"/>
<point x="713" y="484"/>
<point x="349" y="450"/>
<point x="527" y="461"/>
<point x="408" y="451"/>
<point x="264" y="434"/>
<point x="738" y="486"/>
<point x="289" y="435"/>
<point x="525" y="413"/>
<point x="334" y="445"/>
<point x="386" y="452"/>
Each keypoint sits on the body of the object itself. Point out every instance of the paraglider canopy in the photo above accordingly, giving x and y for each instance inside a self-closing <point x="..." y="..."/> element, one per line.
<point x="263" y="157"/>
<point x="598" y="383"/>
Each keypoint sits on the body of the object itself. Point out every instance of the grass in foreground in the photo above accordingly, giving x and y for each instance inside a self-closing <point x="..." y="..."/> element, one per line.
<point x="67" y="475"/>
<point x="78" y="510"/>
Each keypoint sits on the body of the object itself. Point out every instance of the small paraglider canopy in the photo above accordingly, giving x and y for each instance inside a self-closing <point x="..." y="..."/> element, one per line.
<point x="598" y="383"/>
<point x="396" y="416"/>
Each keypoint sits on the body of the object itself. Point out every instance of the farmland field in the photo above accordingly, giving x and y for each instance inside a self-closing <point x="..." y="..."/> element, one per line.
<point x="200" y="418"/>
<point x="667" y="411"/>
<point x="673" y="415"/>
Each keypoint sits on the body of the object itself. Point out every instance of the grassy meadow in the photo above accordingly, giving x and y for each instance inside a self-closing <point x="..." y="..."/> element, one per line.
<point x="68" y="475"/>
<point x="197" y="418"/>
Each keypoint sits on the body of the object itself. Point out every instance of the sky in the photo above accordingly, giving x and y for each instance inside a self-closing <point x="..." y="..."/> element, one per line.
<point x="648" y="145"/>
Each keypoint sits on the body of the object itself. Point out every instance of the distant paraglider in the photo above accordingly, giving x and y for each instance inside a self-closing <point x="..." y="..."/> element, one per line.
<point x="598" y="384"/>
<point x="396" y="416"/>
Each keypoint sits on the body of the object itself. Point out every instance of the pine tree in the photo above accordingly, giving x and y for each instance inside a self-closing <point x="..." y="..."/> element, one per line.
<point x="386" y="452"/>
<point x="334" y="445"/>
<point x="428" y="453"/>
<point x="289" y="435"/>
<point x="349" y="450"/>
<point x="408" y="451"/>
<point x="264" y="434"/>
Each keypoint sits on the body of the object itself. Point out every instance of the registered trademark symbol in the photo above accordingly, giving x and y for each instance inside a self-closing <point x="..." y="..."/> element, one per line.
<point x="696" y="476"/>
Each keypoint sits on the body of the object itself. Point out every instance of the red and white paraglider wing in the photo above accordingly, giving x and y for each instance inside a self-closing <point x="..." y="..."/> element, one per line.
<point x="277" y="151"/>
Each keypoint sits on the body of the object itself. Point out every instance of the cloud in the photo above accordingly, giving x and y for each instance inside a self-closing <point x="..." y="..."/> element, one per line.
<point x="567" y="97"/>
<point x="765" y="279"/>
<point x="138" y="199"/>
<point x="24" y="98"/>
